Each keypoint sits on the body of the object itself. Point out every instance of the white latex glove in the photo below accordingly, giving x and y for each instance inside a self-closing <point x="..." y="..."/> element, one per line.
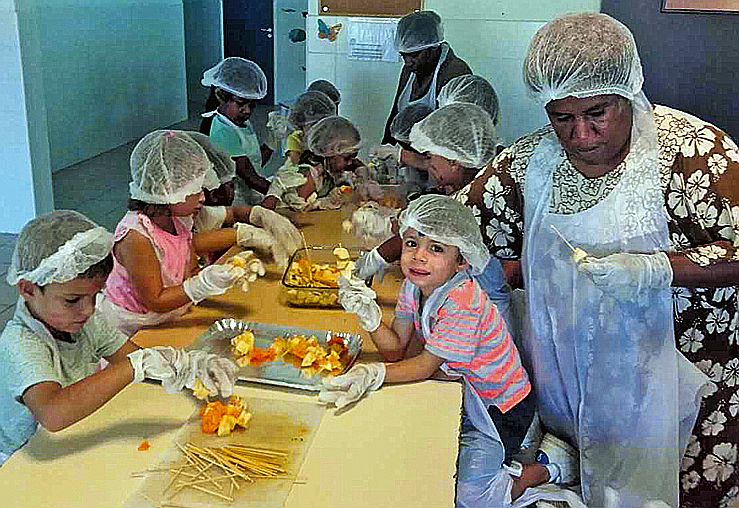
<point x="262" y="241"/>
<point x="285" y="181"/>
<point x="625" y="275"/>
<point x="352" y="386"/>
<point x="280" y="227"/>
<point x="178" y="369"/>
<point x="252" y="266"/>
<point x="357" y="298"/>
<point x="211" y="281"/>
<point x="369" y="264"/>
<point x="373" y="223"/>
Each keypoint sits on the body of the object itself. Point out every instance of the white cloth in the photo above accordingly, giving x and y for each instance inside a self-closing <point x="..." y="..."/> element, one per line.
<point x="404" y="99"/>
<point x="30" y="355"/>
<point x="587" y="350"/>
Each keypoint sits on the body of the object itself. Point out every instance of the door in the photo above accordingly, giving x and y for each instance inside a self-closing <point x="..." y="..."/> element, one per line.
<point x="248" y="32"/>
<point x="290" y="48"/>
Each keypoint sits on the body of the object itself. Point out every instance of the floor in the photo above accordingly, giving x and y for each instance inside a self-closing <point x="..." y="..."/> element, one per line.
<point x="98" y="188"/>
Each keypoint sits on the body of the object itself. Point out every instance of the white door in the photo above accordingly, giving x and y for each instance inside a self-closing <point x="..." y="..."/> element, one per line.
<point x="290" y="48"/>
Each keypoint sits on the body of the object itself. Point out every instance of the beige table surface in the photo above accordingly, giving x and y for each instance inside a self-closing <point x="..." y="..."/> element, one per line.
<point x="395" y="448"/>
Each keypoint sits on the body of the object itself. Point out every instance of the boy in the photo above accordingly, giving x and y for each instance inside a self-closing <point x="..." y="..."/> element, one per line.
<point x="239" y="83"/>
<point x="444" y="320"/>
<point x="50" y="349"/>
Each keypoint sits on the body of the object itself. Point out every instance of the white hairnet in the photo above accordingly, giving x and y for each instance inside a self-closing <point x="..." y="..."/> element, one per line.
<point x="58" y="247"/>
<point x="400" y="128"/>
<point x="334" y="135"/>
<point x="321" y="85"/>
<point x="583" y="55"/>
<point x="238" y="76"/>
<point x="446" y="220"/>
<point x="309" y="108"/>
<point x="459" y="132"/>
<point x="166" y="167"/>
<point x="223" y="167"/>
<point x="473" y="89"/>
<point x="417" y="31"/>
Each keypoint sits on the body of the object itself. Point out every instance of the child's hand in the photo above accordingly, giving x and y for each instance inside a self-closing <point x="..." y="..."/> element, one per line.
<point x="281" y="228"/>
<point x="352" y="386"/>
<point x="212" y="280"/>
<point x="357" y="298"/>
<point x="249" y="236"/>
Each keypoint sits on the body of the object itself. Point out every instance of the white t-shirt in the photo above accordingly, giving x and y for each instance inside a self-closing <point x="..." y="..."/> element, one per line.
<point x="29" y="355"/>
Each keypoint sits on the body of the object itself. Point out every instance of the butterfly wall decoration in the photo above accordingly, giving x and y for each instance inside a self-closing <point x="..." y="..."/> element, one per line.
<point x="328" y="32"/>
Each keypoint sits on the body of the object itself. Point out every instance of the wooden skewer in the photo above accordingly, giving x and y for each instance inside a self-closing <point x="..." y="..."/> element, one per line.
<point x="212" y="493"/>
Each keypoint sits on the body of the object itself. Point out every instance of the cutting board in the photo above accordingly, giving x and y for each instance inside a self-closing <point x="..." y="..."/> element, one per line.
<point x="276" y="424"/>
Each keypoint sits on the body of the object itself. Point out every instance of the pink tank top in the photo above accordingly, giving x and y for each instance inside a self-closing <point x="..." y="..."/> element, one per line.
<point x="173" y="252"/>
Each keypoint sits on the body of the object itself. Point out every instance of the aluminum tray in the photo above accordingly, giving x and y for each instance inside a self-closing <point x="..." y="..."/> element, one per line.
<point x="217" y="339"/>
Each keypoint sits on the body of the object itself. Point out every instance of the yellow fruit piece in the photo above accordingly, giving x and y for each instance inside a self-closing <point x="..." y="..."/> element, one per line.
<point x="199" y="390"/>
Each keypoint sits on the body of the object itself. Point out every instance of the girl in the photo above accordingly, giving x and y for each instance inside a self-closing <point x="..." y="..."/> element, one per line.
<point x="309" y="108"/>
<point x="153" y="278"/>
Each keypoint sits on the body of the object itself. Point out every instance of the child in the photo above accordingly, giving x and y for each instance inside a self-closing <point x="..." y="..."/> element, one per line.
<point x="415" y="163"/>
<point x="321" y="85"/>
<point x="153" y="278"/>
<point x="253" y="226"/>
<point x="50" y="349"/>
<point x="309" y="108"/>
<point x="444" y="320"/>
<point x="239" y="83"/>
<point x="331" y="160"/>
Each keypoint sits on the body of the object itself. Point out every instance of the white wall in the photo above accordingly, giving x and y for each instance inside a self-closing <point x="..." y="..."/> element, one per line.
<point x="25" y="170"/>
<point x="490" y="35"/>
<point x="112" y="71"/>
<point x="203" y="45"/>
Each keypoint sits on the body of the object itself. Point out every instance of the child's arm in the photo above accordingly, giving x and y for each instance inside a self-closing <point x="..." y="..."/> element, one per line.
<point x="392" y="343"/>
<point x="245" y="169"/>
<point x="417" y="368"/>
<point x="308" y="188"/>
<point x="137" y="256"/>
<point x="217" y="240"/>
<point x="266" y="153"/>
<point x="236" y="214"/>
<point x="57" y="408"/>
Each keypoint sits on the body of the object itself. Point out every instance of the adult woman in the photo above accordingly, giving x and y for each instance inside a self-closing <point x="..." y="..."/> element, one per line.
<point x="651" y="194"/>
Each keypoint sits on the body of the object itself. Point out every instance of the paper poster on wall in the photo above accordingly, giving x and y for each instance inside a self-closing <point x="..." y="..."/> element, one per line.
<point x="372" y="40"/>
<point x="725" y="6"/>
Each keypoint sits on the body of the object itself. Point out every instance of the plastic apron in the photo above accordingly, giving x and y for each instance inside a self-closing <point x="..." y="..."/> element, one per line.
<point x="607" y="374"/>
<point x="252" y="150"/>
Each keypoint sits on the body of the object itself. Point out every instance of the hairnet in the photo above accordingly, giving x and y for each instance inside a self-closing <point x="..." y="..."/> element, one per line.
<point x="417" y="31"/>
<point x="473" y="89"/>
<point x="321" y="85"/>
<point x="459" y="132"/>
<point x="166" y="167"/>
<point x="309" y="108"/>
<point x="334" y="135"/>
<point x="223" y="167"/>
<point x="400" y="128"/>
<point x="446" y="220"/>
<point x="238" y="76"/>
<point x="583" y="55"/>
<point x="58" y="247"/>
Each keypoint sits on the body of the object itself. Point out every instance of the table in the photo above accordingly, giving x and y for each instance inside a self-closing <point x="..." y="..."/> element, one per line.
<point x="395" y="448"/>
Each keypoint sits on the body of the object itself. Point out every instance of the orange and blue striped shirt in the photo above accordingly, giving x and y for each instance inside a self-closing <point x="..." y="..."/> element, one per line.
<point x="469" y="333"/>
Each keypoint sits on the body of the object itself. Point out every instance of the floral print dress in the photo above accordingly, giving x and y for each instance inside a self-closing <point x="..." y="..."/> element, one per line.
<point x="699" y="168"/>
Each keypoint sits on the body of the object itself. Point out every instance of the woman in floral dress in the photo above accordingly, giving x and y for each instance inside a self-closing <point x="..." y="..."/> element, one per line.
<point x="606" y="146"/>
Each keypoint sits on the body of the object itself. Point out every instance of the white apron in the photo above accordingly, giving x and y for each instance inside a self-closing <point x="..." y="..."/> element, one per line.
<point x="404" y="99"/>
<point x="607" y="374"/>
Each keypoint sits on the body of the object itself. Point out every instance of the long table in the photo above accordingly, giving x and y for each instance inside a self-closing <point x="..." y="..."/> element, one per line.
<point x="395" y="448"/>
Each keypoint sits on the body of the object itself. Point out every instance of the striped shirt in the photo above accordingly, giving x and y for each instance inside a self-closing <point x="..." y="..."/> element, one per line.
<point x="471" y="336"/>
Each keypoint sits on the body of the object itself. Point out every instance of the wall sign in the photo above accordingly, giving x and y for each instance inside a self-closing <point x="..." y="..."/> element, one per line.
<point x="712" y="6"/>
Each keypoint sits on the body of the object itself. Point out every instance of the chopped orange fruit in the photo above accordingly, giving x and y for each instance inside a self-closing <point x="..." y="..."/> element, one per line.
<point x="144" y="445"/>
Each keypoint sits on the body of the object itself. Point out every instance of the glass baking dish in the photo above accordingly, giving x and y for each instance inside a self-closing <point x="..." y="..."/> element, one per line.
<point x="323" y="291"/>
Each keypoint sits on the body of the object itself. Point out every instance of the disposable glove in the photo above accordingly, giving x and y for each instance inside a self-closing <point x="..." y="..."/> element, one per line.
<point x="372" y="223"/>
<point x="357" y="298"/>
<point x="278" y="226"/>
<point x="385" y="152"/>
<point x="262" y="241"/>
<point x="352" y="386"/>
<point x="252" y="266"/>
<point x="369" y="264"/>
<point x="625" y="275"/>
<point x="212" y="280"/>
<point x="285" y="181"/>
<point x="178" y="369"/>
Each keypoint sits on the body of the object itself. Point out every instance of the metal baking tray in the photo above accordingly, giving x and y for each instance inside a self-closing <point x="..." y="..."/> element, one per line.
<point x="217" y="339"/>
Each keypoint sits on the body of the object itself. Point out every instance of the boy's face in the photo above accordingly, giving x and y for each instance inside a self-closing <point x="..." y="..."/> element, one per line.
<point x="340" y="163"/>
<point x="238" y="110"/>
<point x="428" y="264"/>
<point x="191" y="206"/>
<point x="66" y="306"/>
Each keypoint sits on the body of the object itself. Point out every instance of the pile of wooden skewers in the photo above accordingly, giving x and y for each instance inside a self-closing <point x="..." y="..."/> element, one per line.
<point x="208" y="468"/>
